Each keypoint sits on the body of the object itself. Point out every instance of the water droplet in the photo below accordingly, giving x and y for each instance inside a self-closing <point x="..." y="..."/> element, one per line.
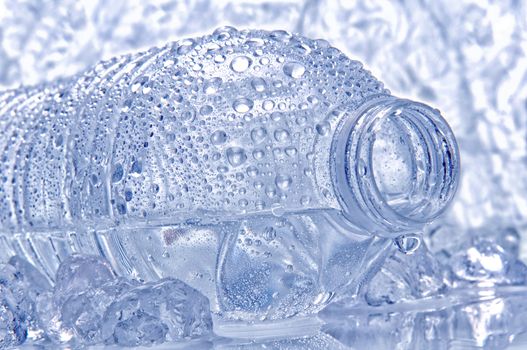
<point x="117" y="173"/>
<point x="408" y="243"/>
<point x="219" y="58"/>
<point x="258" y="154"/>
<point x="264" y="61"/>
<point x="188" y="114"/>
<point x="121" y="208"/>
<point x="258" y="135"/>
<point x="276" y="116"/>
<point x="252" y="171"/>
<point x="139" y="82"/>
<point x="146" y="90"/>
<point x="137" y="168"/>
<point x="128" y="195"/>
<point x="205" y="110"/>
<point x="268" y="105"/>
<point x="94" y="180"/>
<point x="312" y="99"/>
<point x="290" y="151"/>
<point x="281" y="35"/>
<point x="294" y="69"/>
<point x="236" y="156"/>
<point x="303" y="49"/>
<point x="323" y="128"/>
<point x="169" y="63"/>
<point x="224" y="33"/>
<point x="255" y="42"/>
<point x="240" y="64"/>
<point x="242" y="105"/>
<point x="281" y="135"/>
<point x="185" y="46"/>
<point x="196" y="67"/>
<point x="362" y="167"/>
<point x="269" y="233"/>
<point x="211" y="86"/>
<point x="59" y="140"/>
<point x="218" y="137"/>
<point x="283" y="181"/>
<point x="258" y="84"/>
<point x="305" y="200"/>
<point x="270" y="191"/>
<point x="301" y="120"/>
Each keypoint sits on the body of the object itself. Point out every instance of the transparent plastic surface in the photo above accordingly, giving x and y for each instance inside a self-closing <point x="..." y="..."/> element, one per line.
<point x="466" y="58"/>
<point x="223" y="148"/>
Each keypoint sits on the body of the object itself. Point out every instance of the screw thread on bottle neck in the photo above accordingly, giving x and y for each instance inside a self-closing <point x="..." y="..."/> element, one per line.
<point x="396" y="165"/>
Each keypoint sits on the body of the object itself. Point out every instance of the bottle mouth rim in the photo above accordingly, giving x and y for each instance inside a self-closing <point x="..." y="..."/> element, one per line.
<point x="434" y="166"/>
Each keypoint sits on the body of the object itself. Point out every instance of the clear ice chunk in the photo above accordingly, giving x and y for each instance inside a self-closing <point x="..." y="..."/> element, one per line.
<point x="166" y="310"/>
<point x="486" y="262"/>
<point x="21" y="284"/>
<point x="140" y="329"/>
<point x="79" y="274"/>
<point x="13" y="318"/>
<point x="407" y="277"/>
<point x="471" y="319"/>
<point x="35" y="283"/>
<point x="90" y="306"/>
<point x="79" y="320"/>
<point x="486" y="256"/>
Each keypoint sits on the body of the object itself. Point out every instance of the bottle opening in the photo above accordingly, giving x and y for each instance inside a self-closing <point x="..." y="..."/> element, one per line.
<point x="400" y="165"/>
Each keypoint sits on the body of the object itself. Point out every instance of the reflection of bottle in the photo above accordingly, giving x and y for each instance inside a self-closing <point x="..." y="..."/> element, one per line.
<point x="164" y="161"/>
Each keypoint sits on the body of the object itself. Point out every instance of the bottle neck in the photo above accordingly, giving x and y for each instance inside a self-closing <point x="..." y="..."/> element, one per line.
<point x="395" y="165"/>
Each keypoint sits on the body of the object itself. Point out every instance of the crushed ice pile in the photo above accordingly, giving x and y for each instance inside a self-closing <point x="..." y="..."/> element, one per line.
<point x="87" y="304"/>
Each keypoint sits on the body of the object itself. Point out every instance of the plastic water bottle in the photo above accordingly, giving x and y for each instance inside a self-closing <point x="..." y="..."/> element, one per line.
<point x="267" y="170"/>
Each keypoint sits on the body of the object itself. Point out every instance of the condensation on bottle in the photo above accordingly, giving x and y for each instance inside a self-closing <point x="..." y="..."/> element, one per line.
<point x="227" y="161"/>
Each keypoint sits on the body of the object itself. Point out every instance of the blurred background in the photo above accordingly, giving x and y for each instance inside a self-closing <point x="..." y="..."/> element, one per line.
<point x="467" y="58"/>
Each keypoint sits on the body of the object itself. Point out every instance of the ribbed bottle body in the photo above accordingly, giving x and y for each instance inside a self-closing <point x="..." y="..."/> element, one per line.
<point x="267" y="170"/>
<point x="225" y="125"/>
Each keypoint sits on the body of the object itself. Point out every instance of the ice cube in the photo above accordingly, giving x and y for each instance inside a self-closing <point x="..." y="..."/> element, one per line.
<point x="406" y="277"/>
<point x="485" y="261"/>
<point x="13" y="321"/>
<point x="34" y="281"/>
<point x="82" y="314"/>
<point x="140" y="329"/>
<point x="79" y="273"/>
<point x="167" y="309"/>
